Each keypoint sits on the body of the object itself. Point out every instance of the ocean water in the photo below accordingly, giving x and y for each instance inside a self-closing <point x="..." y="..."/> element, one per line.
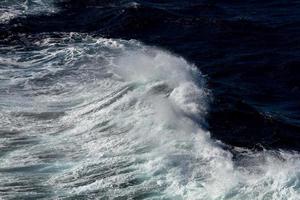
<point x="149" y="100"/>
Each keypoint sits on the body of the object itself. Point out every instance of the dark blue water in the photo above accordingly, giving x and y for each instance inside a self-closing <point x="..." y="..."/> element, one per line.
<point x="248" y="53"/>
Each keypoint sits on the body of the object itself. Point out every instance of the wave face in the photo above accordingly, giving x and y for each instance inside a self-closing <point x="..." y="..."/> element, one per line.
<point x="90" y="117"/>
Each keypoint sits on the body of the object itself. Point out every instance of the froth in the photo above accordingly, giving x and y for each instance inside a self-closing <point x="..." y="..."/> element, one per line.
<point x="124" y="120"/>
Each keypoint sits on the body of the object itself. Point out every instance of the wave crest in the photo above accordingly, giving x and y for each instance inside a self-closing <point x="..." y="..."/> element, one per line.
<point x="107" y="118"/>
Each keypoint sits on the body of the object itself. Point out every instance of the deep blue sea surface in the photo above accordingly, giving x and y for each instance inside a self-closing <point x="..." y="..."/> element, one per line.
<point x="150" y="99"/>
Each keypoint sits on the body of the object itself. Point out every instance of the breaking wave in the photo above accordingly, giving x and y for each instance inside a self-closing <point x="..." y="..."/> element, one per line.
<point x="106" y="118"/>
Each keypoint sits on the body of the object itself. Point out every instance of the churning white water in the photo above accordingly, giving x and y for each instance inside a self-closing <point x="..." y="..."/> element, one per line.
<point x="98" y="118"/>
<point x="10" y="9"/>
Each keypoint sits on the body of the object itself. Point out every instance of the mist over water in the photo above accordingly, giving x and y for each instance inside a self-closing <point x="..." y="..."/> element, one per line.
<point x="83" y="116"/>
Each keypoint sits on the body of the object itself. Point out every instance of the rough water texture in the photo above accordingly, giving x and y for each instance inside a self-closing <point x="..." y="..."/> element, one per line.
<point x="85" y="116"/>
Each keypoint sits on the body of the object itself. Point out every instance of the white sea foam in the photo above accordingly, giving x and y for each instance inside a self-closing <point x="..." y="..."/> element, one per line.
<point x="10" y="9"/>
<point x="122" y="119"/>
